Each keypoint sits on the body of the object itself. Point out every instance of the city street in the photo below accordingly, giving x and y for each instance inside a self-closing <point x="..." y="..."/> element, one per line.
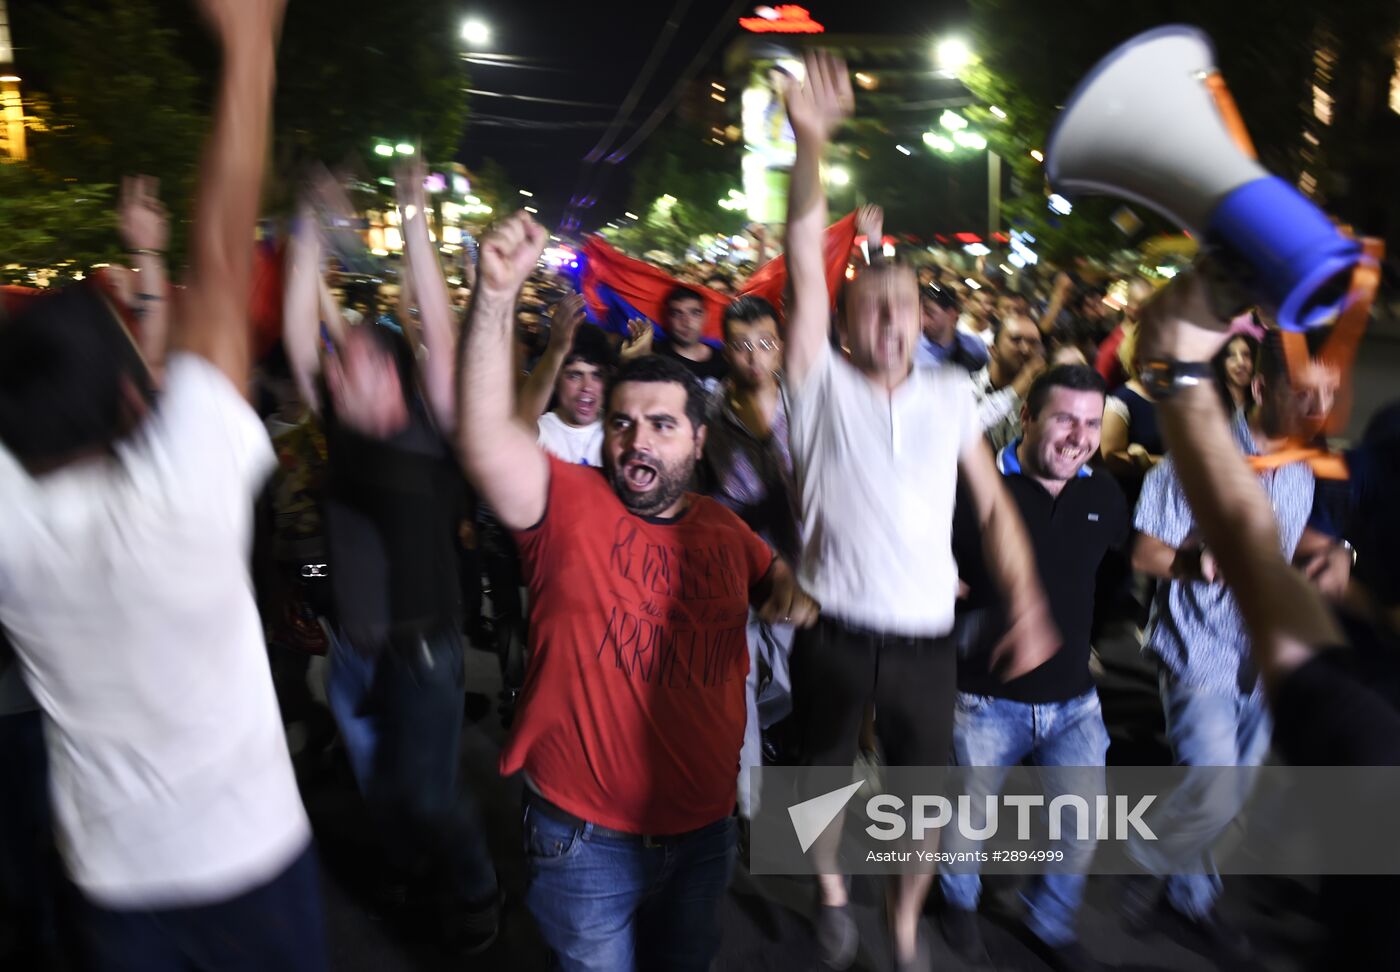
<point x="766" y="924"/>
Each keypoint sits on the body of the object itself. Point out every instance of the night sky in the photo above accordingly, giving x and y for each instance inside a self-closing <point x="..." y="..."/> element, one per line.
<point x="599" y="49"/>
<point x="589" y="52"/>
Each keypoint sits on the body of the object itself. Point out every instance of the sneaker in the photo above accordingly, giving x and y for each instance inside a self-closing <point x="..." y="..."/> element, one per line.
<point x="963" y="934"/>
<point x="473" y="928"/>
<point x="1138" y="898"/>
<point x="837" y="937"/>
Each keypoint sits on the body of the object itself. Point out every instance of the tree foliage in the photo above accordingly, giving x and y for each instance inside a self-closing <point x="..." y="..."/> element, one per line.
<point x="49" y="223"/>
<point x="357" y="70"/>
<point x="681" y="163"/>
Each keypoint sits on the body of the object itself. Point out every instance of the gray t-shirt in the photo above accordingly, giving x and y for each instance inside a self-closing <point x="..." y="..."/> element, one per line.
<point x="1196" y="630"/>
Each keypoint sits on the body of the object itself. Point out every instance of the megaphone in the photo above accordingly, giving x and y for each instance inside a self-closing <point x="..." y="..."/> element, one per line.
<point x="1154" y="123"/>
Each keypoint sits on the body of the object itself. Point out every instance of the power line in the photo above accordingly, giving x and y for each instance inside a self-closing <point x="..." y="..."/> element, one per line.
<point x="532" y="98"/>
<point x="658" y="49"/>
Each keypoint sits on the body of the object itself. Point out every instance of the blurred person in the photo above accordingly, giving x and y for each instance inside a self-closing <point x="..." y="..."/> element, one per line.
<point x="1324" y="712"/>
<point x="1017" y="359"/>
<point x="877" y="445"/>
<point x="685" y="322"/>
<point x="1233" y="367"/>
<point x="1051" y="715"/>
<point x="750" y="465"/>
<point x="1132" y="443"/>
<point x="1196" y="636"/>
<point x="394" y="500"/>
<point x="173" y="793"/>
<point x="628" y="746"/>
<point x="718" y="281"/>
<point x="1113" y="360"/>
<point x="575" y="369"/>
<point x="940" y="341"/>
<point x="1065" y="353"/>
<point x="977" y="316"/>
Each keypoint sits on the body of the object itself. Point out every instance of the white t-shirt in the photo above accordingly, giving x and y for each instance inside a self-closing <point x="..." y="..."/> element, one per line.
<point x="124" y="588"/>
<point x="877" y="473"/>
<point x="580" y="446"/>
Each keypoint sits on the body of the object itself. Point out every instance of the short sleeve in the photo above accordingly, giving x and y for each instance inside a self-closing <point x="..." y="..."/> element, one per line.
<point x="757" y="555"/>
<point x="964" y="405"/>
<point x="1118" y="407"/>
<point x="567" y="483"/>
<point x="1162" y="511"/>
<point x="203" y="445"/>
<point x="1120" y="524"/>
<point x="808" y="403"/>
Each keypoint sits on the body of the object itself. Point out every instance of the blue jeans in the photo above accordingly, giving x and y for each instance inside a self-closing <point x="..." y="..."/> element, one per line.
<point x="988" y="731"/>
<point x="1205" y="728"/>
<point x="277" y="927"/>
<point x="400" y="715"/>
<point x="773" y="644"/>
<point x="607" y="904"/>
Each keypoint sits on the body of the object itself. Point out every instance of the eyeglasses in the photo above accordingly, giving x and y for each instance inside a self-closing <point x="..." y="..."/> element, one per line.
<point x="763" y="344"/>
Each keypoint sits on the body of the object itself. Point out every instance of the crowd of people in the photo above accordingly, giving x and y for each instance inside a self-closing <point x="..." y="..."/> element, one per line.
<point x="894" y="516"/>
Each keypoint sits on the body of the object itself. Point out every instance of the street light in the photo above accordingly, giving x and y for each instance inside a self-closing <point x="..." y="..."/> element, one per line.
<point x="838" y="176"/>
<point x="476" y="33"/>
<point x="951" y="55"/>
<point x="384" y="149"/>
<point x="404" y="148"/>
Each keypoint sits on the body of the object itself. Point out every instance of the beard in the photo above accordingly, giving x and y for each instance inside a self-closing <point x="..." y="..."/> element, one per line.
<point x="670" y="482"/>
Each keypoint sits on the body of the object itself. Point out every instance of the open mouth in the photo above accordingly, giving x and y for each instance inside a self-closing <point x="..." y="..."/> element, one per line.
<point x="1071" y="455"/>
<point x="639" y="475"/>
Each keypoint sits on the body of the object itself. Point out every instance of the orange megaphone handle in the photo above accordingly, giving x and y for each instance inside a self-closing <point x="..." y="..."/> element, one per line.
<point x="1230" y="114"/>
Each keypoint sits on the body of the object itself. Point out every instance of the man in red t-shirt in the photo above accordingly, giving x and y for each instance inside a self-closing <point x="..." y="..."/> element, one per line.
<point x="633" y="708"/>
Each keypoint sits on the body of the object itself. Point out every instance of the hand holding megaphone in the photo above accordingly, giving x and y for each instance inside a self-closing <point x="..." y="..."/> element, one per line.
<point x="1154" y="123"/>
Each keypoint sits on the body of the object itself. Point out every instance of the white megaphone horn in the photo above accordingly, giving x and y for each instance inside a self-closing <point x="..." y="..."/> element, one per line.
<point x="1153" y="122"/>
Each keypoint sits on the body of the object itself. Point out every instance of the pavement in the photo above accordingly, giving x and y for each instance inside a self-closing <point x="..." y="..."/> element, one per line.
<point x="766" y="919"/>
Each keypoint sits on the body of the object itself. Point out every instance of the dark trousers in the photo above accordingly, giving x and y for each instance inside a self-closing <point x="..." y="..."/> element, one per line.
<point x="29" y="870"/>
<point x="838" y="670"/>
<point x="401" y="717"/>
<point x="277" y="927"/>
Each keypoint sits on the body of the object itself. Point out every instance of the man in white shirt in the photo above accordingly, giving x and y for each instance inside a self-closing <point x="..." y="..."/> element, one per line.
<point x="877" y="447"/>
<point x="124" y="587"/>
<point x="1017" y="359"/>
<point x="574" y="368"/>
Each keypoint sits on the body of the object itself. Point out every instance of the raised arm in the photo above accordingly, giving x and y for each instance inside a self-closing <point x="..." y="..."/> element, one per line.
<point x="1286" y="616"/>
<point x="539" y="385"/>
<point x="816" y="106"/>
<point x="145" y="231"/>
<point x="434" y="306"/>
<point x="212" y="320"/>
<point x="1031" y="638"/>
<point x="301" y="318"/>
<point x="1063" y="284"/>
<point x="510" y="472"/>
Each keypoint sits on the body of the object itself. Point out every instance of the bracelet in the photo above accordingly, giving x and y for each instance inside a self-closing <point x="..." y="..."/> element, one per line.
<point x="139" y="251"/>
<point x="149" y="297"/>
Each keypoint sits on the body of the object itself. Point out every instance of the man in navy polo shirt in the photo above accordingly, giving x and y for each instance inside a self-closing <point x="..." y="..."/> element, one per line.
<point x="1050" y="716"/>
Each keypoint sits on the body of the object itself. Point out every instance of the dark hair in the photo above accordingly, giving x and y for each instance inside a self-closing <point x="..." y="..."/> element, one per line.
<point x="63" y="361"/>
<point x="747" y="309"/>
<point x="591" y="347"/>
<point x="1222" y="379"/>
<point x="943" y="298"/>
<point x="653" y="368"/>
<point x="1073" y="377"/>
<point x="681" y="292"/>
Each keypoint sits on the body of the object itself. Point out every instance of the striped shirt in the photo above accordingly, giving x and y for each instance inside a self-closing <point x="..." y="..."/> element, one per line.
<point x="1196" y="630"/>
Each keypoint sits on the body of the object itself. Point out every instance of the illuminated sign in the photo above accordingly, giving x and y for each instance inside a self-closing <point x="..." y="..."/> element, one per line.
<point x="786" y="19"/>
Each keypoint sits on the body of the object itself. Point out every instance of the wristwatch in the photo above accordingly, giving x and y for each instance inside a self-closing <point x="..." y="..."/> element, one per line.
<point x="1165" y="377"/>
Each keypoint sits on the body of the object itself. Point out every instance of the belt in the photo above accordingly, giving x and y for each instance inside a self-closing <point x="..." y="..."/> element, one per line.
<point x="558" y="814"/>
